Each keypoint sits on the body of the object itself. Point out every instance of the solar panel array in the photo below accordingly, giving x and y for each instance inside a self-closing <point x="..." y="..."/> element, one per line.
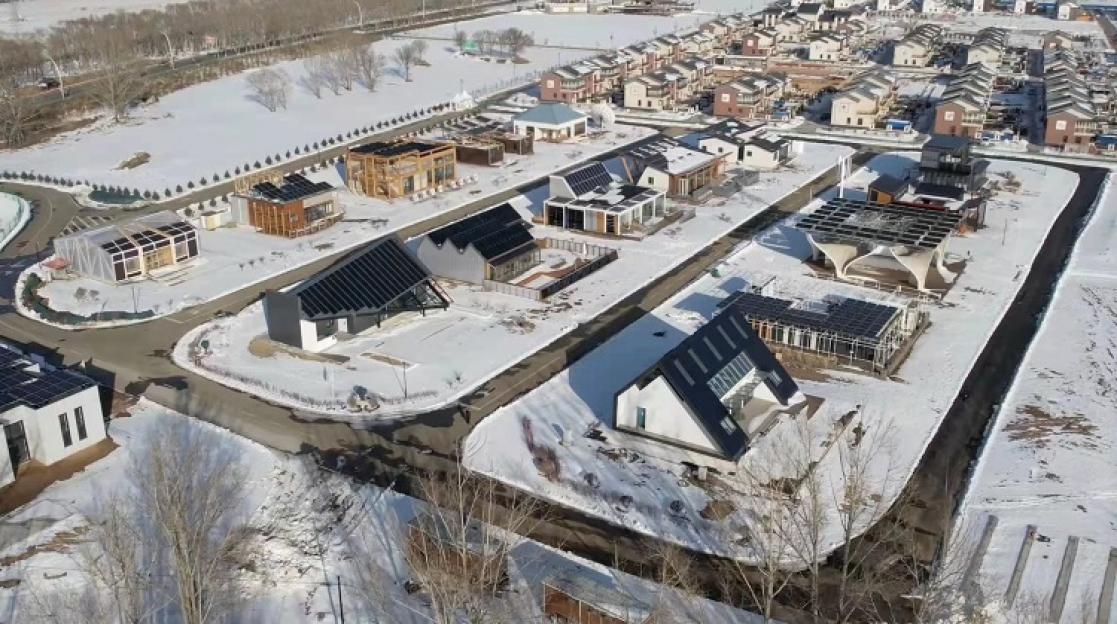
<point x="34" y="389"/>
<point x="504" y="241"/>
<point x="293" y="187"/>
<point x="363" y="283"/>
<point x="850" y="317"/>
<point x="389" y="150"/>
<point x="625" y="197"/>
<point x="589" y="178"/>
<point x="463" y="232"/>
<point x="872" y="222"/>
<point x="136" y="235"/>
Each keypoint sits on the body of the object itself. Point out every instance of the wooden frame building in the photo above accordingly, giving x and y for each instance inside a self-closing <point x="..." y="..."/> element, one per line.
<point x="290" y="206"/>
<point x="399" y="169"/>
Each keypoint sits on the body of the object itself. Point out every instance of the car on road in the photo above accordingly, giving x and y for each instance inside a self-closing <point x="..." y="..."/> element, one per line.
<point x="48" y="83"/>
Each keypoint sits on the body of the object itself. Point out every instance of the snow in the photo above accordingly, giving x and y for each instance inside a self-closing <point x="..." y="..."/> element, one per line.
<point x="483" y="332"/>
<point x="1050" y="459"/>
<point x="214" y="127"/>
<point x="15" y="213"/>
<point x="581" y="398"/>
<point x="26" y="16"/>
<point x="232" y="258"/>
<point x="1024" y="30"/>
<point x="307" y="526"/>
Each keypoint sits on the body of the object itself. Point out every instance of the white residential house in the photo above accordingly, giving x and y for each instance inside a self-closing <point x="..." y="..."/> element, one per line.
<point x="827" y="47"/>
<point x="655" y="92"/>
<point x="713" y="393"/>
<point x="46" y="414"/>
<point x="864" y="103"/>
<point x="554" y="122"/>
<point x="767" y="152"/>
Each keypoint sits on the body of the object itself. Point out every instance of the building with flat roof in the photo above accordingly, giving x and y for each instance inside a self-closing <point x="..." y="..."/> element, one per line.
<point x="842" y="330"/>
<point x="495" y="244"/>
<point x="399" y="169"/>
<point x="948" y="168"/>
<point x="714" y="392"/>
<point x="289" y="206"/>
<point x="553" y="122"/>
<point x="589" y="199"/>
<point x="358" y="292"/>
<point x="862" y="238"/>
<point x="46" y="414"/>
<point x="131" y="250"/>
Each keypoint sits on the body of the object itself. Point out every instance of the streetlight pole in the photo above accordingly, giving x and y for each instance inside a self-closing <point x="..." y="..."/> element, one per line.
<point x="170" y="48"/>
<point x="360" y="13"/>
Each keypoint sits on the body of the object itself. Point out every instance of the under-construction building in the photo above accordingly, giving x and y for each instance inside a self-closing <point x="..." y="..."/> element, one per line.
<point x="391" y="170"/>
<point x="845" y="331"/>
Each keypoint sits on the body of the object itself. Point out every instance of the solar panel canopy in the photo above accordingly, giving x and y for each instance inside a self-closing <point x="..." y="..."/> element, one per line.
<point x="852" y="317"/>
<point x="293" y="187"/>
<point x="362" y="283"/>
<point x="876" y="223"/>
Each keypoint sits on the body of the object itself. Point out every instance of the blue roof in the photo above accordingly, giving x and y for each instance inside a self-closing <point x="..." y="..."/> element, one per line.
<point x="553" y="114"/>
<point x="709" y="363"/>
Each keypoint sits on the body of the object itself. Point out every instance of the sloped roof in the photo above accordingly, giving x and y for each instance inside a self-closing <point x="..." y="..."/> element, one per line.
<point x="493" y="233"/>
<point x="554" y="114"/>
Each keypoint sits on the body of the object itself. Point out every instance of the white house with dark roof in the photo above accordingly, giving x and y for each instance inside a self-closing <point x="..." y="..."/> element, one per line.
<point x="719" y="388"/>
<point x="495" y="244"/>
<point x="589" y="199"/>
<point x="554" y="122"/>
<point x="673" y="168"/>
<point x="46" y="414"/>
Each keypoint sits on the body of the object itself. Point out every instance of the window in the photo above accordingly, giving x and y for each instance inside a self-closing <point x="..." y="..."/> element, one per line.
<point x="948" y="115"/>
<point x="651" y="180"/>
<point x="550" y="84"/>
<point x="79" y="420"/>
<point x="641" y="418"/>
<point x="724" y="97"/>
<point x="1060" y="124"/>
<point x="65" y="425"/>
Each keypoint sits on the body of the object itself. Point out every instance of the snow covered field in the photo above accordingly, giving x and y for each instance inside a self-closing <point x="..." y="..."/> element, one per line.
<point x="14" y="215"/>
<point x="1051" y="460"/>
<point x="215" y="127"/>
<point x="232" y="258"/>
<point x="639" y="480"/>
<point x="26" y="16"/>
<point x="307" y="528"/>
<point x="443" y="351"/>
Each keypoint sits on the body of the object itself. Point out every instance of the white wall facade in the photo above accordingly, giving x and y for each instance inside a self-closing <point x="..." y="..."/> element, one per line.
<point x="665" y="416"/>
<point x="759" y="159"/>
<point x="721" y="147"/>
<point x="654" y="178"/>
<point x="43" y="429"/>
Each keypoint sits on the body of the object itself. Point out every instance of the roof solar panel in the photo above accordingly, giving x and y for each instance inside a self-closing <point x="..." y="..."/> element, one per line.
<point x="872" y="222"/>
<point x="855" y="318"/>
<point x="472" y="228"/>
<point x="588" y="178"/>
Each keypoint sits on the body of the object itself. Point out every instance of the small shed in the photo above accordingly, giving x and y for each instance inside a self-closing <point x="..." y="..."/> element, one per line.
<point x="552" y="122"/>
<point x="887" y="189"/>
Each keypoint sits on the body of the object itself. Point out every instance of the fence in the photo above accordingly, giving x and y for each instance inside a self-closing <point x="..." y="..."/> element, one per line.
<point x="600" y="256"/>
<point x="582" y="249"/>
<point x="512" y="289"/>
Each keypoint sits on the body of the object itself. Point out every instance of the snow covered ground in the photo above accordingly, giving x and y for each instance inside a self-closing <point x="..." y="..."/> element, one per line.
<point x="27" y="16"/>
<point x="482" y="333"/>
<point x="639" y="481"/>
<point x="307" y="527"/>
<point x="215" y="127"/>
<point x="232" y="258"/>
<point x="14" y="215"/>
<point x="1051" y="460"/>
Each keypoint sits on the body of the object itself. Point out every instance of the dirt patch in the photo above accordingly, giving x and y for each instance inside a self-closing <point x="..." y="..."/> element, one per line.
<point x="264" y="347"/>
<point x="1036" y="427"/>
<point x="387" y="359"/>
<point x="60" y="543"/>
<point x="717" y="510"/>
<point x="137" y="160"/>
<point x="34" y="477"/>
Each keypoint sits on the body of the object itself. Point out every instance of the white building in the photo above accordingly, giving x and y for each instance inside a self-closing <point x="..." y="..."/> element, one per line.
<point x="718" y="389"/>
<point x="552" y="122"/>
<point x="161" y="241"/>
<point x="46" y="414"/>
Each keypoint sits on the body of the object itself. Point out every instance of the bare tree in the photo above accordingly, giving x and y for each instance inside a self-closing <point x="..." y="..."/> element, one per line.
<point x="19" y="64"/>
<point x="808" y="509"/>
<point x="406" y="58"/>
<point x="269" y="88"/>
<point x="117" y="82"/>
<point x="312" y="78"/>
<point x="419" y="47"/>
<point x="369" y="65"/>
<point x="458" y="544"/>
<point x="343" y="66"/>
<point x="461" y="40"/>
<point x="517" y="41"/>
<point x="189" y="481"/>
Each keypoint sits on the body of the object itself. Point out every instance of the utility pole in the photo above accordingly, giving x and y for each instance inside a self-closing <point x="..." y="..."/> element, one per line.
<point x="340" y="606"/>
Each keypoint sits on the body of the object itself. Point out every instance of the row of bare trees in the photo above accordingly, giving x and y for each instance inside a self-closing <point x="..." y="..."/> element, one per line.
<point x="508" y="42"/>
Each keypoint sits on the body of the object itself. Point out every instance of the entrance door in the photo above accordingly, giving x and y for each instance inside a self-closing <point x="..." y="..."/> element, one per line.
<point x="17" y="444"/>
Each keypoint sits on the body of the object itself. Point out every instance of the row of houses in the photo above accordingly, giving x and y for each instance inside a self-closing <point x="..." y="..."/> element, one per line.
<point x="865" y="102"/>
<point x="1071" y="121"/>
<point x="918" y="46"/>
<point x="962" y="109"/>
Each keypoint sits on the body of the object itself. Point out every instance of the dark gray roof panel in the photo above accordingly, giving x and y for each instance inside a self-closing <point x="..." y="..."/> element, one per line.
<point x="854" y="318"/>
<point x="19" y="386"/>
<point x="492" y="233"/>
<point x="876" y="223"/>
<point x="363" y="282"/>
<point x="293" y="187"/>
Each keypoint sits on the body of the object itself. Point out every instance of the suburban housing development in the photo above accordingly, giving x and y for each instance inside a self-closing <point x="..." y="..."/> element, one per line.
<point x="587" y="312"/>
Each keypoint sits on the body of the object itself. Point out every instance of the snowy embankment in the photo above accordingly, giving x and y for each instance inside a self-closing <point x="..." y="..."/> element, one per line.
<point x="426" y="362"/>
<point x="232" y="258"/>
<point x="1051" y="459"/>
<point x="641" y="485"/>
<point x="15" y="213"/>
<point x="306" y="529"/>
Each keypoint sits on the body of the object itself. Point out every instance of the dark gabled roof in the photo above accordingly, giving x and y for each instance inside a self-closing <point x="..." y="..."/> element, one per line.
<point x="889" y="184"/>
<point x="293" y="187"/>
<point x="706" y="365"/>
<point x="396" y="148"/>
<point x="809" y="7"/>
<point x="364" y="282"/>
<point x="947" y="142"/>
<point x="36" y="390"/>
<point x="493" y="233"/>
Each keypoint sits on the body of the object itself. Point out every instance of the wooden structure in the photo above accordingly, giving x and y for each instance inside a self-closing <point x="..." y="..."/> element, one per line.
<point x="477" y="151"/>
<point x="291" y="207"/>
<point x="392" y="170"/>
